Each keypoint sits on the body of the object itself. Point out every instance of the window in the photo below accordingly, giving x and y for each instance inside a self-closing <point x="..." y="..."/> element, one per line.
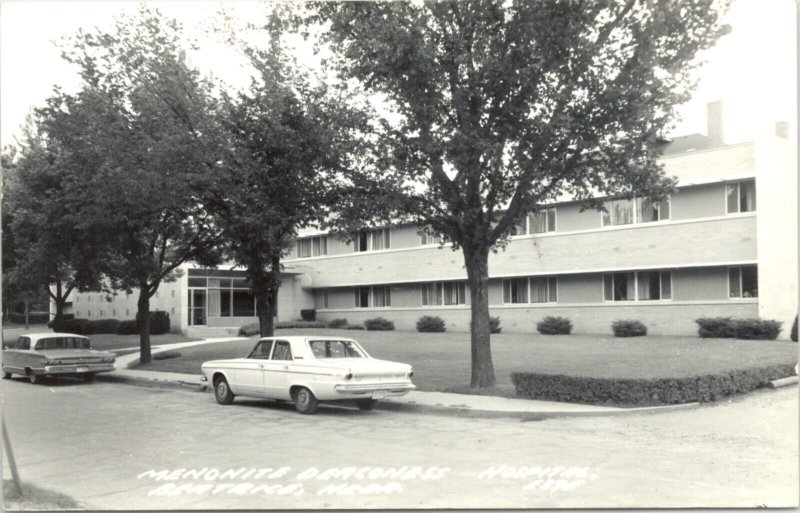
<point x="515" y="290"/>
<point x="172" y="293"/>
<point x="544" y="290"/>
<point x="618" y="212"/>
<point x="743" y="281"/>
<point x="648" y="211"/>
<point x="444" y="293"/>
<point x="741" y="196"/>
<point x="262" y="350"/>
<point x="335" y="349"/>
<point x="312" y="246"/>
<point x="282" y="351"/>
<point x="23" y="343"/>
<point x="321" y="299"/>
<point x="373" y="297"/>
<point x="114" y="312"/>
<point x="619" y="286"/>
<point x="543" y="221"/>
<point x="520" y="227"/>
<point x="654" y="285"/>
<point x="429" y="239"/>
<point x="373" y="240"/>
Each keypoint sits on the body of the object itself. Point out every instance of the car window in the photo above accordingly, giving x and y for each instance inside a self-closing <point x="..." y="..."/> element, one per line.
<point x="23" y="343"/>
<point x="282" y="351"/>
<point x="62" y="343"/>
<point x="335" y="349"/>
<point x="262" y="349"/>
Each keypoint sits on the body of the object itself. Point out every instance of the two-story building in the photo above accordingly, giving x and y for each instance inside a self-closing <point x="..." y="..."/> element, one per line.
<point x="723" y="244"/>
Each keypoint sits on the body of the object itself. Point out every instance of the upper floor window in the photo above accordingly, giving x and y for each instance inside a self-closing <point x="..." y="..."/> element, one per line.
<point x="373" y="297"/>
<point x="444" y="293"/>
<point x="428" y="239"/>
<point x="372" y="240"/>
<point x="543" y="221"/>
<point x="640" y="210"/>
<point x="743" y="281"/>
<point x="741" y="196"/>
<point x="312" y="246"/>
<point x="641" y="286"/>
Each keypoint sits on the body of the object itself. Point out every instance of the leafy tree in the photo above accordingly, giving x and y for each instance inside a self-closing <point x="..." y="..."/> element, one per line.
<point x="142" y="140"/>
<point x="290" y="144"/>
<point x="502" y="106"/>
<point x="49" y="254"/>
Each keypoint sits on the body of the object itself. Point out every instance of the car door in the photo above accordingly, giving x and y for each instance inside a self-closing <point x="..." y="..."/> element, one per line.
<point x="276" y="371"/>
<point x="14" y="356"/>
<point x="250" y="373"/>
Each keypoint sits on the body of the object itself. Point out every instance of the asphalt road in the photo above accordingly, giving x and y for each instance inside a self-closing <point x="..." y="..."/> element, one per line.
<point x="114" y="446"/>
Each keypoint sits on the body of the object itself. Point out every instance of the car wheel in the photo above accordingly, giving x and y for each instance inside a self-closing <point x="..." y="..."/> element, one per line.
<point x="365" y="404"/>
<point x="222" y="391"/>
<point x="33" y="377"/>
<point x="6" y="374"/>
<point x="305" y="402"/>
<point x="89" y="377"/>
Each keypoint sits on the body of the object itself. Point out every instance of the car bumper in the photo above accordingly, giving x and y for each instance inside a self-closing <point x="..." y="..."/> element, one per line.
<point x="75" y="368"/>
<point x="362" y="390"/>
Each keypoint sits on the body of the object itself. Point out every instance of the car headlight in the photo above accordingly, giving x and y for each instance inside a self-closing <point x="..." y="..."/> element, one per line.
<point x="109" y="359"/>
<point x="411" y="374"/>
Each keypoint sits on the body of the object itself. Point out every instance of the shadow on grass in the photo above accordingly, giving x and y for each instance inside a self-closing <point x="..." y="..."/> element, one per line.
<point x="35" y="498"/>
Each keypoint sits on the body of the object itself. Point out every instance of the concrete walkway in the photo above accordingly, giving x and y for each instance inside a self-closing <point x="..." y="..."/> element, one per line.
<point x="429" y="402"/>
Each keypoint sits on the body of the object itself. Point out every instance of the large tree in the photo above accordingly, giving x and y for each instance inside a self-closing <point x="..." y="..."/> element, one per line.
<point x="500" y="106"/>
<point x="290" y="145"/>
<point x="141" y="134"/>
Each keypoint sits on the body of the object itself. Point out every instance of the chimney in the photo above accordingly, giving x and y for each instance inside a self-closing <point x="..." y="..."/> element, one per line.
<point x="716" y="124"/>
<point x="782" y="129"/>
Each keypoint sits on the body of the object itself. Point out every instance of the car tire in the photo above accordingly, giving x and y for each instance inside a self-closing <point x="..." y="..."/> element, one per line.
<point x="304" y="401"/>
<point x="33" y="377"/>
<point x="89" y="377"/>
<point x="365" y="404"/>
<point x="6" y="374"/>
<point x="222" y="391"/>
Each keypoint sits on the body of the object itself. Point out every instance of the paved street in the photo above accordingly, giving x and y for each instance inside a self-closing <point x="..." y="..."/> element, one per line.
<point x="98" y="443"/>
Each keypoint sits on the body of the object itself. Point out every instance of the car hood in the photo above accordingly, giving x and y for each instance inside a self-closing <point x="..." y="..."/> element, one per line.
<point x="74" y="353"/>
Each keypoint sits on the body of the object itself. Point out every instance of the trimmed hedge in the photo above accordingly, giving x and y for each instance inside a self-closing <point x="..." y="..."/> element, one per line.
<point x="431" y="324"/>
<point x="33" y="317"/>
<point x="379" y="324"/>
<point x="159" y="324"/>
<point x="355" y="327"/>
<point x="725" y="327"/>
<point x="166" y="355"/>
<point x="554" y="326"/>
<point x="643" y="392"/>
<point x="248" y="330"/>
<point x="76" y="326"/>
<point x="308" y="314"/>
<point x="793" y="334"/>
<point x="299" y="324"/>
<point x="127" y="328"/>
<point x="337" y="323"/>
<point x="629" y="328"/>
<point x="494" y="325"/>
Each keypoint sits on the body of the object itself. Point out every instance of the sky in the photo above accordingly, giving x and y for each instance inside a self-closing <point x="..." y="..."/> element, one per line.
<point x="753" y="70"/>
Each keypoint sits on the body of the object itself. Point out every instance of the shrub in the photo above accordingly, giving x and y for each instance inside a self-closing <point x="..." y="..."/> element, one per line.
<point x="725" y="327"/>
<point x="64" y="317"/>
<point x="337" y="323"/>
<point x="379" y="324"/>
<point x="76" y="326"/>
<point x="299" y="324"/>
<point x="430" y="324"/>
<point x="793" y="334"/>
<point x="308" y="314"/>
<point x="757" y="329"/>
<point x="159" y="322"/>
<point x="127" y="328"/>
<point x="628" y="329"/>
<point x="642" y="392"/>
<point x="715" y="327"/>
<point x="166" y="355"/>
<point x="554" y="326"/>
<point x="494" y="325"/>
<point x="355" y="327"/>
<point x="33" y="317"/>
<point x="105" y="326"/>
<point x="248" y="330"/>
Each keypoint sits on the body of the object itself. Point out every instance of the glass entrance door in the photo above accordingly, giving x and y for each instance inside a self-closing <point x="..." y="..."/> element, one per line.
<point x="197" y="307"/>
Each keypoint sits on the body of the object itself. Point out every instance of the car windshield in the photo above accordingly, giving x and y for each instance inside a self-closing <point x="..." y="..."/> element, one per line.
<point x="63" y="343"/>
<point x="336" y="349"/>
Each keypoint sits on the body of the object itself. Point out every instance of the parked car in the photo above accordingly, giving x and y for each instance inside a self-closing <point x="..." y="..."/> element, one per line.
<point x="55" y="354"/>
<point x="308" y="370"/>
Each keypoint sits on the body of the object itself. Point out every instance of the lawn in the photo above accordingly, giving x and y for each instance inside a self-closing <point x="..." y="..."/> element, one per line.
<point x="442" y="360"/>
<point x="104" y="342"/>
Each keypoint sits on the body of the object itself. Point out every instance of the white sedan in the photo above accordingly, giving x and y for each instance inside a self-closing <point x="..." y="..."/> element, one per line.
<point x="308" y="370"/>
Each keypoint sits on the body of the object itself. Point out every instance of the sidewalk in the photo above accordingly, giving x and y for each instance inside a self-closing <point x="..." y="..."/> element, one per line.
<point x="440" y="403"/>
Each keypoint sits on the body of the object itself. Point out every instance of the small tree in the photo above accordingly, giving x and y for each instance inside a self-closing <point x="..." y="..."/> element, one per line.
<point x="500" y="106"/>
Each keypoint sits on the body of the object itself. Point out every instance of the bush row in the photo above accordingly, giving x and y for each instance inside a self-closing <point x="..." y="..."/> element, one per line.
<point x="725" y="327"/>
<point x="159" y="324"/>
<point x="642" y="392"/>
<point x="33" y="317"/>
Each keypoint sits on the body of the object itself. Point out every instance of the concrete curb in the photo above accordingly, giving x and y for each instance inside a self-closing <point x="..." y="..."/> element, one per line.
<point x="784" y="382"/>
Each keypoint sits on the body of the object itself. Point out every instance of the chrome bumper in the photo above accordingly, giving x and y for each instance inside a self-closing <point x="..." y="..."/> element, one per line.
<point x="374" y="387"/>
<point x="76" y="368"/>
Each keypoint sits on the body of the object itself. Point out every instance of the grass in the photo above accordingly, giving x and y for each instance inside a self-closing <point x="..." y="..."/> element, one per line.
<point x="35" y="498"/>
<point x="442" y="360"/>
<point x="109" y="341"/>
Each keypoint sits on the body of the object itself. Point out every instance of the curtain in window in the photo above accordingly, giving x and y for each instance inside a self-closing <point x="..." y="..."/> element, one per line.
<point x="747" y="196"/>
<point x="539" y="290"/>
<point x="750" y="281"/>
<point x="622" y="212"/>
<point x="734" y="282"/>
<point x="381" y="296"/>
<point x="213" y="298"/>
<point x="454" y="293"/>
<point x="539" y="222"/>
<point x="649" y="285"/>
<point x="515" y="291"/>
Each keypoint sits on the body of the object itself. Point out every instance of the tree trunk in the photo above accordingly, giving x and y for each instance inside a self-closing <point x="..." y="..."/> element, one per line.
<point x="266" y="310"/>
<point x="477" y="263"/>
<point x="27" y="324"/>
<point x="143" y="323"/>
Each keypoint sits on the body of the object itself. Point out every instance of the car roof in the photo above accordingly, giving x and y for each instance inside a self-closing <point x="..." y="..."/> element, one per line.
<point x="43" y="335"/>
<point x="301" y="338"/>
